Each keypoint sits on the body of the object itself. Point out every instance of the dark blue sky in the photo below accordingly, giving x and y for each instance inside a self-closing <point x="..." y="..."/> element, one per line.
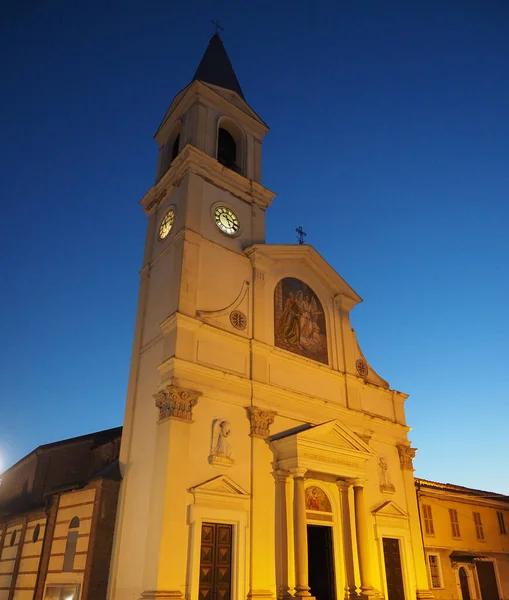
<point x="389" y="143"/>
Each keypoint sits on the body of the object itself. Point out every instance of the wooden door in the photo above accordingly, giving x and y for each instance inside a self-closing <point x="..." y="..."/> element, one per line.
<point x="487" y="580"/>
<point x="393" y="570"/>
<point x="465" y="590"/>
<point x="215" y="562"/>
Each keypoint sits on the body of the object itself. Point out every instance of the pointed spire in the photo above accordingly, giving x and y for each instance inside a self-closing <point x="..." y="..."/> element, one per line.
<point x="215" y="67"/>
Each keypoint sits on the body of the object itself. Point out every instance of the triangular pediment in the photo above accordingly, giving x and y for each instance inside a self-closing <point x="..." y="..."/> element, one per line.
<point x="337" y="435"/>
<point x="389" y="509"/>
<point x="222" y="485"/>
<point x="298" y="257"/>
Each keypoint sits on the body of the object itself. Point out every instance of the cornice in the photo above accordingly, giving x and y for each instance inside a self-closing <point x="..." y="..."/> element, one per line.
<point x="192" y="160"/>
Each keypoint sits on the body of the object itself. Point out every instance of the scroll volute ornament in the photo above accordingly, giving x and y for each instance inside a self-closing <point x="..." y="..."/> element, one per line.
<point x="406" y="456"/>
<point x="174" y="401"/>
<point x="260" y="421"/>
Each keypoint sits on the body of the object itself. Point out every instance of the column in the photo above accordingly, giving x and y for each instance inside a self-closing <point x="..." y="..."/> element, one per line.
<point x="346" y="527"/>
<point x="282" y="555"/>
<point x="262" y="584"/>
<point x="165" y="568"/>
<point x="300" y="534"/>
<point x="363" y="540"/>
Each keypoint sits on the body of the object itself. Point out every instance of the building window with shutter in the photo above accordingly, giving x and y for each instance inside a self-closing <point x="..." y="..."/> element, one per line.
<point x="455" y="526"/>
<point x="478" y="526"/>
<point x="434" y="571"/>
<point x="501" y="522"/>
<point x="429" y="529"/>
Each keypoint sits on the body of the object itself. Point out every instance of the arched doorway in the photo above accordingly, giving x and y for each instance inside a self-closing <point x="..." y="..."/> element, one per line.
<point x="465" y="590"/>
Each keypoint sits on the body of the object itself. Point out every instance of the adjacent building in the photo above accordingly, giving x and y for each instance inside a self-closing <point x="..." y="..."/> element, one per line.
<point x="57" y="517"/>
<point x="466" y="540"/>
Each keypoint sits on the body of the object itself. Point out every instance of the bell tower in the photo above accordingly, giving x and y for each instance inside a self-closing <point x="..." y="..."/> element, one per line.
<point x="206" y="207"/>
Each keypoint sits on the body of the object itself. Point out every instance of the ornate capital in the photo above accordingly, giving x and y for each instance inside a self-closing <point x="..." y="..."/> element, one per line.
<point x="260" y="421"/>
<point x="343" y="485"/>
<point x="281" y="476"/>
<point x="298" y="472"/>
<point x="176" y="402"/>
<point x="406" y="455"/>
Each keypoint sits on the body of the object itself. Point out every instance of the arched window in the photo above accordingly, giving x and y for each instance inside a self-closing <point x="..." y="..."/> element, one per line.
<point x="37" y="531"/>
<point x="226" y="149"/>
<point x="465" y="590"/>
<point x="175" y="148"/>
<point x="13" y="538"/>
<point x="70" y="545"/>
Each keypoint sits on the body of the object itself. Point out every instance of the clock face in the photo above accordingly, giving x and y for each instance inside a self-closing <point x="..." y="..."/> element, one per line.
<point x="166" y="223"/>
<point x="226" y="220"/>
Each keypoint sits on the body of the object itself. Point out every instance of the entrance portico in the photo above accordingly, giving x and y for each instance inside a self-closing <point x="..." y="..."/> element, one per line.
<point x="330" y="456"/>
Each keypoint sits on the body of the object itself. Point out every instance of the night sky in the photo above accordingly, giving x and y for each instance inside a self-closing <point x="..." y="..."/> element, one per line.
<point x="389" y="144"/>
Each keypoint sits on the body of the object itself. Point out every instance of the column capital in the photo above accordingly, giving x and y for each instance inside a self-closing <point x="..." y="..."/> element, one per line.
<point x="358" y="482"/>
<point x="281" y="475"/>
<point x="260" y="421"/>
<point x="298" y="472"/>
<point x="174" y="401"/>
<point x="406" y="456"/>
<point x="344" y="484"/>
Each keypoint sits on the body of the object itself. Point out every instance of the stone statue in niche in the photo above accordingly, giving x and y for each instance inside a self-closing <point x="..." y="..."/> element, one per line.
<point x="220" y="447"/>
<point x="299" y="320"/>
<point x="316" y="499"/>
<point x="383" y="471"/>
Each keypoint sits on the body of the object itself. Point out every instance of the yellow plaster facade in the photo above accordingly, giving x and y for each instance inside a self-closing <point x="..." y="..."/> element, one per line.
<point x="228" y="432"/>
<point x="466" y="539"/>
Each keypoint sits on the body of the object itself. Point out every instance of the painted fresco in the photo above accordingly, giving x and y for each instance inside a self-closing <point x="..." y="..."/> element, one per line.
<point x="299" y="321"/>
<point x="316" y="499"/>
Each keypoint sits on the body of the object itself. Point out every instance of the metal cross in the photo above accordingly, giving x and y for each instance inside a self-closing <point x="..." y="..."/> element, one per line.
<point x="301" y="234"/>
<point x="216" y="23"/>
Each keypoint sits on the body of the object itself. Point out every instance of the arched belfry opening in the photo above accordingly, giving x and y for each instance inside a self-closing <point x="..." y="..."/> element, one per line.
<point x="230" y="146"/>
<point x="226" y="149"/>
<point x="175" y="149"/>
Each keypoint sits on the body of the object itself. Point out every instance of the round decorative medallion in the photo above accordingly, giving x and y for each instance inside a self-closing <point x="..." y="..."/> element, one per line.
<point x="238" y="319"/>
<point x="166" y="223"/>
<point x="362" y="367"/>
<point x="226" y="220"/>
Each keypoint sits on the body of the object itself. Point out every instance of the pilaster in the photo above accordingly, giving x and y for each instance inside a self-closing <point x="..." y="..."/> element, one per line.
<point x="406" y="456"/>
<point x="263" y="560"/>
<point x="165" y="561"/>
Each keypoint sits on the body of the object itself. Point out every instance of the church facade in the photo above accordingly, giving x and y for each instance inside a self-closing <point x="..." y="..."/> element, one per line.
<point x="261" y="455"/>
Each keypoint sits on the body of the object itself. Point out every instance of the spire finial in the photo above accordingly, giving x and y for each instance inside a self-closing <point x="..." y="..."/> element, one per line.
<point x="217" y="26"/>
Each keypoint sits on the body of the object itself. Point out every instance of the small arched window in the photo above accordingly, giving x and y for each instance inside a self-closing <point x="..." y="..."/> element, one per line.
<point x="37" y="531"/>
<point x="175" y="148"/>
<point x="70" y="545"/>
<point x="226" y="149"/>
<point x="13" y="538"/>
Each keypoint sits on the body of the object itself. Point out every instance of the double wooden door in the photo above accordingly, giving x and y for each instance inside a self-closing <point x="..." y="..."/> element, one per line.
<point x="215" y="562"/>
<point x="393" y="569"/>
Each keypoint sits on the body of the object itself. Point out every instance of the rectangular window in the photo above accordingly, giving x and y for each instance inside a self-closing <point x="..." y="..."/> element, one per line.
<point x="429" y="529"/>
<point x="455" y="526"/>
<point x="478" y="526"/>
<point x="434" y="570"/>
<point x="501" y="522"/>
<point x="62" y="592"/>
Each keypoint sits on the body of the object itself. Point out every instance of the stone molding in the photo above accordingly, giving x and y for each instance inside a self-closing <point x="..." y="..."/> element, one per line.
<point x="260" y="421"/>
<point x="176" y="402"/>
<point x="406" y="456"/>
<point x="162" y="595"/>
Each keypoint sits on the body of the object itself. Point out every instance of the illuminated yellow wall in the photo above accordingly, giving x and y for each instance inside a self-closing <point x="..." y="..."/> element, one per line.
<point x="494" y="546"/>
